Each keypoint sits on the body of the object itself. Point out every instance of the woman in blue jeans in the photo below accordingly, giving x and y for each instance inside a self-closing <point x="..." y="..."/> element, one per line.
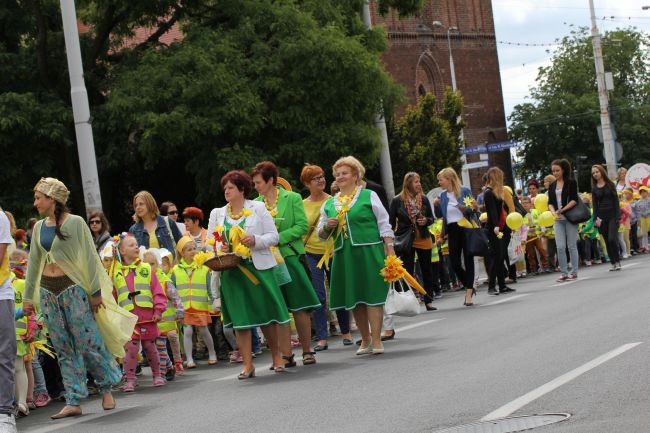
<point x="562" y="196"/>
<point x="313" y="177"/>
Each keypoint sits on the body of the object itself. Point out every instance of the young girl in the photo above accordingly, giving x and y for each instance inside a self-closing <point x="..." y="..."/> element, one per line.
<point x="172" y="336"/>
<point x="21" y="347"/>
<point x="172" y="313"/>
<point x="643" y="209"/>
<point x="138" y="290"/>
<point x="193" y="284"/>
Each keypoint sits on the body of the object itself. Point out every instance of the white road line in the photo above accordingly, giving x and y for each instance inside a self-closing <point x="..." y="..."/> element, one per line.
<point x="522" y="401"/>
<point x="629" y="265"/>
<point x="501" y="301"/>
<point x="229" y="377"/>
<point x="565" y="283"/>
<point x="417" y="325"/>
<point x="49" y="426"/>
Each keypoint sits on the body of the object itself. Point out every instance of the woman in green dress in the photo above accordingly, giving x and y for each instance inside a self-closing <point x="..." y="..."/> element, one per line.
<point x="358" y="223"/>
<point x="287" y="209"/>
<point x="250" y="296"/>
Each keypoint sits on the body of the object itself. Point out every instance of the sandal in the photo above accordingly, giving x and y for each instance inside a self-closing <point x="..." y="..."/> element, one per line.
<point x="67" y="411"/>
<point x="308" y="358"/>
<point x="290" y="361"/>
<point x="279" y="369"/>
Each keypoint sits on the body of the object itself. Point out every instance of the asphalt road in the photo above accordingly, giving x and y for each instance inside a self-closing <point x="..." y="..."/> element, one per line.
<point x="572" y="345"/>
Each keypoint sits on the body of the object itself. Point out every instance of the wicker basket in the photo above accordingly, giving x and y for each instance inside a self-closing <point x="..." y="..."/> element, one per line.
<point x="223" y="262"/>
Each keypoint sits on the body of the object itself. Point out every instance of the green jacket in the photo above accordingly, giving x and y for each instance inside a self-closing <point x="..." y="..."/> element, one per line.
<point x="291" y="222"/>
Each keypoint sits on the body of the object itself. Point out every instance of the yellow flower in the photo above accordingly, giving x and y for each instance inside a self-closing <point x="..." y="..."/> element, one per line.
<point x="219" y="229"/>
<point x="274" y="213"/>
<point x="469" y="201"/>
<point x="243" y="251"/>
<point x="211" y="242"/>
<point x="248" y="212"/>
<point x="500" y="235"/>
<point x="201" y="257"/>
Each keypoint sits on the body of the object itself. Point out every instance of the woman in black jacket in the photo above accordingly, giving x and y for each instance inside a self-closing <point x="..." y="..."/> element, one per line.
<point x="99" y="228"/>
<point x="495" y="225"/>
<point x="606" y="212"/>
<point x="562" y="196"/>
<point x="410" y="215"/>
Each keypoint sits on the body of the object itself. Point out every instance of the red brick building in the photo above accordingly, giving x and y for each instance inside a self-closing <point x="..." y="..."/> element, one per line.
<point x="418" y="58"/>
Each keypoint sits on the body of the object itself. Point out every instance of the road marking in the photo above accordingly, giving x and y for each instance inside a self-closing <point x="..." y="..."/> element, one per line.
<point x="49" y="426"/>
<point x="229" y="377"/>
<point x="501" y="301"/>
<point x="629" y="265"/>
<point x="565" y="283"/>
<point x="522" y="401"/>
<point x="417" y="325"/>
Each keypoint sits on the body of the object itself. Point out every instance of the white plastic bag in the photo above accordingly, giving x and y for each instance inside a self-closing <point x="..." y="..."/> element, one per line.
<point x="515" y="249"/>
<point x="401" y="303"/>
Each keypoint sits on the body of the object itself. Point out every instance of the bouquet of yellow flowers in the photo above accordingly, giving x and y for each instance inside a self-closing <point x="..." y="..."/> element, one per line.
<point x="393" y="271"/>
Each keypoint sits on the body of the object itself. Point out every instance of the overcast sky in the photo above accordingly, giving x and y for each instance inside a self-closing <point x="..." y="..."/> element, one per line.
<point x="544" y="21"/>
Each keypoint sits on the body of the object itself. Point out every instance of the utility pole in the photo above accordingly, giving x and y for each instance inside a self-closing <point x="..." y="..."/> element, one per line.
<point x="608" y="138"/>
<point x="380" y="123"/>
<point x="81" y="110"/>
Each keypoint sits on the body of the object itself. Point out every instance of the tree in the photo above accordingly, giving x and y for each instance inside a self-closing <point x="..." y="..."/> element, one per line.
<point x="562" y="118"/>
<point x="425" y="140"/>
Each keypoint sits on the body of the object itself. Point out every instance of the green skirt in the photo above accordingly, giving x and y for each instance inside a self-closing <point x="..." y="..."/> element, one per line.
<point x="355" y="277"/>
<point x="245" y="305"/>
<point x="299" y="293"/>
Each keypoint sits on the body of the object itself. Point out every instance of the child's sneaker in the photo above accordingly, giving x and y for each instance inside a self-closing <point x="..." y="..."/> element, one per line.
<point x="30" y="404"/>
<point x="235" y="357"/>
<point x="179" y="368"/>
<point x="158" y="381"/>
<point x="129" y="386"/>
<point x="42" y="400"/>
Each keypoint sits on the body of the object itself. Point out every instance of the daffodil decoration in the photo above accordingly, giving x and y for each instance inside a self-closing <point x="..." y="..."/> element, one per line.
<point x="219" y="228"/>
<point x="469" y="202"/>
<point x="243" y="251"/>
<point x="248" y="212"/>
<point x="344" y="202"/>
<point x="500" y="235"/>
<point x="393" y="269"/>
<point x="274" y="213"/>
<point x="202" y="256"/>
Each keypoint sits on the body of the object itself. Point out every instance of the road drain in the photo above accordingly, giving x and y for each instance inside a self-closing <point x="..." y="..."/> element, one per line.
<point x="508" y="425"/>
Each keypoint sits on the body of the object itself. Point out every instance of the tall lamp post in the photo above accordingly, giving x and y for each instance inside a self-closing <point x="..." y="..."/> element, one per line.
<point x="81" y="110"/>
<point x="464" y="171"/>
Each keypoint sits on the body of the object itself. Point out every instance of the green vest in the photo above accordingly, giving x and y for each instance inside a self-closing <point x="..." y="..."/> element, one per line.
<point x="142" y="284"/>
<point x="168" y="321"/>
<point x="362" y="228"/>
<point x="193" y="290"/>
<point x="19" y="290"/>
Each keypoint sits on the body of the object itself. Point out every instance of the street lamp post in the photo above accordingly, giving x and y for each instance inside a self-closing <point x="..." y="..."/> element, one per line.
<point x="464" y="171"/>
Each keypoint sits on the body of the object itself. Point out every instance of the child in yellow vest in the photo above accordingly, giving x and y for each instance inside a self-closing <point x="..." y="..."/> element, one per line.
<point x="21" y="347"/>
<point x="137" y="289"/>
<point x="193" y="284"/>
<point x="172" y="313"/>
<point x="172" y="336"/>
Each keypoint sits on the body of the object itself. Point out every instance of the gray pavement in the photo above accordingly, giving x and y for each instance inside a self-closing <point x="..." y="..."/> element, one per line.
<point x="445" y="368"/>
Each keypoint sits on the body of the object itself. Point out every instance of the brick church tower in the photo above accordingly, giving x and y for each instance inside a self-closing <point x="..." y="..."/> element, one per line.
<point x="418" y="59"/>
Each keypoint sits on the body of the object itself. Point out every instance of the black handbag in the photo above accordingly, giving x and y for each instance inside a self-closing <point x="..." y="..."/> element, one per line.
<point x="404" y="241"/>
<point x="302" y="258"/>
<point x="578" y="213"/>
<point x="476" y="242"/>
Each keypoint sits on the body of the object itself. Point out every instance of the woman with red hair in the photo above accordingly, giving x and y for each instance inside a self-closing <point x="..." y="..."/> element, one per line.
<point x="193" y="217"/>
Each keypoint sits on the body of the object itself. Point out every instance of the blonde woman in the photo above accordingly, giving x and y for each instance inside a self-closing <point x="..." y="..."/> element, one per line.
<point x="150" y="229"/>
<point x="360" y="246"/>
<point x="453" y="210"/>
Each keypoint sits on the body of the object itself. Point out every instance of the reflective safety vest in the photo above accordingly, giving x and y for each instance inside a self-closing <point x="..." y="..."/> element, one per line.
<point x="193" y="290"/>
<point x="19" y="290"/>
<point x="141" y="294"/>
<point x="168" y="321"/>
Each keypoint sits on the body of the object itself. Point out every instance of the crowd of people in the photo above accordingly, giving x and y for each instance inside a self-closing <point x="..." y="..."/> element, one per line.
<point x="90" y="308"/>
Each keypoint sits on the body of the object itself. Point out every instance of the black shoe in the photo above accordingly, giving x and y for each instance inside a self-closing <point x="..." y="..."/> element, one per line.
<point x="388" y="337"/>
<point x="170" y="374"/>
<point x="430" y="307"/>
<point x="493" y="292"/>
<point x="507" y="289"/>
<point x="358" y="343"/>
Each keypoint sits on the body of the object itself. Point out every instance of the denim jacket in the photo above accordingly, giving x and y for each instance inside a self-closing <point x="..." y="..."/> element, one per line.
<point x="165" y="239"/>
<point x="444" y="201"/>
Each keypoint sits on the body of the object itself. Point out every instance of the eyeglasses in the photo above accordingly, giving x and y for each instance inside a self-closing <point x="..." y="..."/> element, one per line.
<point x="318" y="178"/>
<point x="173" y="212"/>
<point x="95" y="222"/>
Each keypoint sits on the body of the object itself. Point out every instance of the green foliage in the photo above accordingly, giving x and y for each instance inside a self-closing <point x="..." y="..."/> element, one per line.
<point x="425" y="140"/>
<point x="562" y="117"/>
<point x="291" y="81"/>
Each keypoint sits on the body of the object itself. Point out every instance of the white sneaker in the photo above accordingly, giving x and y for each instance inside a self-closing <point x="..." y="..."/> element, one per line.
<point x="7" y="423"/>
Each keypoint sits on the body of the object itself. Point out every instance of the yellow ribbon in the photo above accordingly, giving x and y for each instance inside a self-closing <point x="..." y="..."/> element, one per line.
<point x="43" y="347"/>
<point x="414" y="283"/>
<point x="329" y="250"/>
<point x="236" y="235"/>
<point x="249" y="275"/>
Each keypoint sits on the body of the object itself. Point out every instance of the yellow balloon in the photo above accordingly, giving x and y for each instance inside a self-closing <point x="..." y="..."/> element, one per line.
<point x="483" y="217"/>
<point x="546" y="219"/>
<point x="515" y="220"/>
<point x="541" y="202"/>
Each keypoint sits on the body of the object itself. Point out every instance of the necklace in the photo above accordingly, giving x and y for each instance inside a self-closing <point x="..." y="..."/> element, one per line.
<point x="345" y="200"/>
<point x="272" y="209"/>
<point x="232" y="216"/>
